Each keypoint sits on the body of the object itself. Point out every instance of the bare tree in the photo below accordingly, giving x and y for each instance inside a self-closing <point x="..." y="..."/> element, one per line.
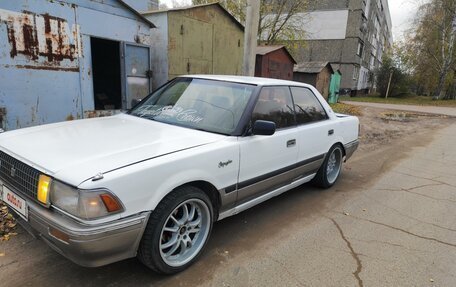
<point x="279" y="20"/>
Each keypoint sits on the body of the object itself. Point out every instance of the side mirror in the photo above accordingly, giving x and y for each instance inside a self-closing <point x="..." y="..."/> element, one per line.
<point x="263" y="128"/>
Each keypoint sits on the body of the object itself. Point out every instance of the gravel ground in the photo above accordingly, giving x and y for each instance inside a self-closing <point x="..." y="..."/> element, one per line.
<point x="387" y="222"/>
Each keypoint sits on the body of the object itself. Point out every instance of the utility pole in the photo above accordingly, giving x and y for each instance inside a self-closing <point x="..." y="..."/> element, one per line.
<point x="250" y="37"/>
<point x="389" y="84"/>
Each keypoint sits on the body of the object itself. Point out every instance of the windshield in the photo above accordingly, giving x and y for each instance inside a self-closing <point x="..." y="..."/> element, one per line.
<point x="208" y="105"/>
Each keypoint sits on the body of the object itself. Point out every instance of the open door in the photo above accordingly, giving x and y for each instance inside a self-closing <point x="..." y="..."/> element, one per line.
<point x="334" y="87"/>
<point x="106" y="73"/>
<point x="137" y="74"/>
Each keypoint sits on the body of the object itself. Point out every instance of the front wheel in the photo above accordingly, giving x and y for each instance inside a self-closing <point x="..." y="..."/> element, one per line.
<point x="177" y="231"/>
<point x="330" y="170"/>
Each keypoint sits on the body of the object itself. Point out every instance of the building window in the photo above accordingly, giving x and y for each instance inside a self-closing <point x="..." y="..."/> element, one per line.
<point x="355" y="72"/>
<point x="360" y="49"/>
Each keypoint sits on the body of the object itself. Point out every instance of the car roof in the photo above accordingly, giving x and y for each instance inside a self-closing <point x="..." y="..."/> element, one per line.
<point x="248" y="80"/>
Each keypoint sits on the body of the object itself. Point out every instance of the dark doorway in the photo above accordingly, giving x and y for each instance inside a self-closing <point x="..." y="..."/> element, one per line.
<point x="106" y="74"/>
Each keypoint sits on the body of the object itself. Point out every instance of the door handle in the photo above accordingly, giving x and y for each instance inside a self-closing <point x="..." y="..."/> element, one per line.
<point x="330" y="132"/>
<point x="291" y="143"/>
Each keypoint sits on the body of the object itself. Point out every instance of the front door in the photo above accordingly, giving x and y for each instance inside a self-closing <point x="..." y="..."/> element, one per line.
<point x="267" y="162"/>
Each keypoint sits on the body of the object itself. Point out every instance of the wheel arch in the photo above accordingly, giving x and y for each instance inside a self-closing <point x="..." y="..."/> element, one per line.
<point x="344" y="153"/>
<point x="341" y="145"/>
<point x="210" y="190"/>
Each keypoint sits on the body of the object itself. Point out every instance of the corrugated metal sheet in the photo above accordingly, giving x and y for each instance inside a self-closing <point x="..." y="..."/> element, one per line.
<point x="263" y="50"/>
<point x="311" y="67"/>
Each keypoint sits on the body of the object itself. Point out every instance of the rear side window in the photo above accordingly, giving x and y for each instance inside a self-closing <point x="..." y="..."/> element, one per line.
<point x="274" y="104"/>
<point x="308" y="108"/>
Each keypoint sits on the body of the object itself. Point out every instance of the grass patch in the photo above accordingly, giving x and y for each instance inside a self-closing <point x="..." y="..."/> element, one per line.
<point x="346" y="109"/>
<point x="406" y="100"/>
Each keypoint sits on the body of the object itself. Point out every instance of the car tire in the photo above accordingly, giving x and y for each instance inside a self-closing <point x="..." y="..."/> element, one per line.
<point x="177" y="231"/>
<point x="331" y="168"/>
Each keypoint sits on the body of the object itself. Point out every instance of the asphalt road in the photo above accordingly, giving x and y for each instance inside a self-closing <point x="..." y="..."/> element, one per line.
<point x="447" y="111"/>
<point x="389" y="221"/>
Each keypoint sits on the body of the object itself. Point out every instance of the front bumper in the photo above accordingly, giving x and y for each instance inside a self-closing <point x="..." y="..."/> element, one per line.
<point x="86" y="245"/>
<point x="350" y="148"/>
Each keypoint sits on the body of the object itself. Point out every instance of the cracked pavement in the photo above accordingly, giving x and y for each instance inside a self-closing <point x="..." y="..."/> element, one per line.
<point x="389" y="221"/>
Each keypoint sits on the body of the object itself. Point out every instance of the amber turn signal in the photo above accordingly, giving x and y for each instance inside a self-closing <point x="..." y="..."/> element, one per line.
<point x="44" y="186"/>
<point x="59" y="234"/>
<point x="110" y="202"/>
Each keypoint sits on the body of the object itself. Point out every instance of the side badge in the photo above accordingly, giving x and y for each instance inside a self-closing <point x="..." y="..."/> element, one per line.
<point x="223" y="164"/>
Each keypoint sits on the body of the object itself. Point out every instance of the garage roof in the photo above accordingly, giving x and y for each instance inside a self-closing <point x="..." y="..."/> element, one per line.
<point x="197" y="6"/>
<point x="311" y="67"/>
<point x="263" y="50"/>
<point x="137" y="14"/>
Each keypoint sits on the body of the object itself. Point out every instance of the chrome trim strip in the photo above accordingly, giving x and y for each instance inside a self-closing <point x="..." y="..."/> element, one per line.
<point x="86" y="230"/>
<point x="275" y="180"/>
<point x="275" y="173"/>
<point x="264" y="197"/>
<point x="280" y="171"/>
<point x="264" y="186"/>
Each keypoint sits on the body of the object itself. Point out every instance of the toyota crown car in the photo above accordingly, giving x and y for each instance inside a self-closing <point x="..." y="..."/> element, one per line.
<point x="152" y="181"/>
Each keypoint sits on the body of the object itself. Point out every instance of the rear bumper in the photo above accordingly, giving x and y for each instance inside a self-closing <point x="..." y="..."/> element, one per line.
<point x="350" y="148"/>
<point x="89" y="246"/>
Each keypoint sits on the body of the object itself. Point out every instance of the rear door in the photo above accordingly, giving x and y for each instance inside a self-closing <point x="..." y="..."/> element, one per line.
<point x="314" y="128"/>
<point x="137" y="73"/>
<point x="267" y="162"/>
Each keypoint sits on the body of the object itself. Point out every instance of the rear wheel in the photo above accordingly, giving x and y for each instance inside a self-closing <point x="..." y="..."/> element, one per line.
<point x="177" y="231"/>
<point x="330" y="170"/>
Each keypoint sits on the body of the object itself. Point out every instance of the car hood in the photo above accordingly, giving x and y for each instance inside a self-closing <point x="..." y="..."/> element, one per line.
<point x="77" y="150"/>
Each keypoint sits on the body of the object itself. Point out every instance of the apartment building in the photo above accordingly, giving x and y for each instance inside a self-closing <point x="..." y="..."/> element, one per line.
<point x="352" y="35"/>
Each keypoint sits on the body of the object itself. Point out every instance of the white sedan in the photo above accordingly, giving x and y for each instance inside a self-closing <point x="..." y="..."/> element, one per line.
<point x="151" y="182"/>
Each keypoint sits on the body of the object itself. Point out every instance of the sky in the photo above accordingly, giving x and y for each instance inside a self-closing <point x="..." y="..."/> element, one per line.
<point x="402" y="12"/>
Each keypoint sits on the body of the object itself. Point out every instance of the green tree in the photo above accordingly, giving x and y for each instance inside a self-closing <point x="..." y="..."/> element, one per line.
<point x="391" y="68"/>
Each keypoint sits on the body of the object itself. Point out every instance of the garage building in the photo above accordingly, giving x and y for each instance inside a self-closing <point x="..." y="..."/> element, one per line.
<point x="64" y="60"/>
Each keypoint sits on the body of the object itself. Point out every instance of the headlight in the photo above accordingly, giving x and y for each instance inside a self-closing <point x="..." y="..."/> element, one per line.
<point x="85" y="204"/>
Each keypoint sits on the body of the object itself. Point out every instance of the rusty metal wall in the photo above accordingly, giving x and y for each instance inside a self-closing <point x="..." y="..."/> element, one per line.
<point x="45" y="56"/>
<point x="276" y="64"/>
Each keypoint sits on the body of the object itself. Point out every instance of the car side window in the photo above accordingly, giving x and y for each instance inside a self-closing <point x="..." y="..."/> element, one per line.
<point x="308" y="108"/>
<point x="275" y="104"/>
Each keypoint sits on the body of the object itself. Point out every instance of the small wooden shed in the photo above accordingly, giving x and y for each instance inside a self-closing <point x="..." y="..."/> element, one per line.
<point x="274" y="62"/>
<point x="317" y="74"/>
